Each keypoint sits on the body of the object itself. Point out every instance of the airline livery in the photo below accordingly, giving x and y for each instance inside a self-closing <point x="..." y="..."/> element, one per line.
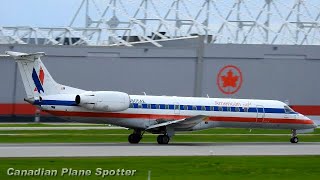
<point x="163" y="115"/>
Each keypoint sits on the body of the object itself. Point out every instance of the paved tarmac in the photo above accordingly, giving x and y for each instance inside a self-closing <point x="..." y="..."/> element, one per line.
<point x="152" y="149"/>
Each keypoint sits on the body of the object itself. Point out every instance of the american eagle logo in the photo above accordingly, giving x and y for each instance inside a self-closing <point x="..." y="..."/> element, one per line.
<point x="38" y="80"/>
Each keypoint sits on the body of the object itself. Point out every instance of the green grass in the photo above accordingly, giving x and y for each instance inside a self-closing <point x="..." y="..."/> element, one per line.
<point x="48" y="125"/>
<point x="174" y="168"/>
<point x="246" y="131"/>
<point x="120" y="135"/>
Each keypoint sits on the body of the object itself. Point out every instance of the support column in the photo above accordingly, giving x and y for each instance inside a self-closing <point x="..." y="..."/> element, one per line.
<point x="14" y="92"/>
<point x="199" y="68"/>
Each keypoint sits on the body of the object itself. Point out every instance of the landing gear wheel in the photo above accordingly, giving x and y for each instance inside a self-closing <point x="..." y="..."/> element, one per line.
<point x="163" y="139"/>
<point x="134" y="138"/>
<point x="294" y="140"/>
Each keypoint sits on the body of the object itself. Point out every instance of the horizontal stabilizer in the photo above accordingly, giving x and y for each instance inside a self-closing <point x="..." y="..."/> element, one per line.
<point x="4" y="55"/>
<point x="25" y="56"/>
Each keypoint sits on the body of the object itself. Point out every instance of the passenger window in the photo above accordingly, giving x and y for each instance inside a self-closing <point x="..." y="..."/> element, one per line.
<point x="245" y="109"/>
<point x="139" y="106"/>
<point x="194" y="107"/>
<point x="158" y="106"/>
<point x="220" y="108"/>
<point x="176" y="106"/>
<point x="237" y="109"/>
<point x="211" y="108"/>
<point x="131" y="105"/>
<point x="149" y="106"/>
<point x="228" y="108"/>
<point x="167" y="106"/>
<point x="185" y="107"/>
<point x="203" y="108"/>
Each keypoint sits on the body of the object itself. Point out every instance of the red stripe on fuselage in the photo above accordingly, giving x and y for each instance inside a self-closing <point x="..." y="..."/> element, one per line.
<point x="175" y="117"/>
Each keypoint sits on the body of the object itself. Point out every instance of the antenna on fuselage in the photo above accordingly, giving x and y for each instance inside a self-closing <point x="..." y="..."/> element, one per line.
<point x="144" y="93"/>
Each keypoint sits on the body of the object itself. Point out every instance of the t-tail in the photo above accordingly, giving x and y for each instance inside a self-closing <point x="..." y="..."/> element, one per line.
<point x="36" y="78"/>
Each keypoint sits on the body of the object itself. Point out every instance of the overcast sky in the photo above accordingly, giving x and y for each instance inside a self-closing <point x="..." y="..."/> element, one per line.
<point x="37" y="12"/>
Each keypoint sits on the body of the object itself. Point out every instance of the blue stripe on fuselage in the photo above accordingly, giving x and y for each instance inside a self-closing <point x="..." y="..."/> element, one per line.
<point x="215" y="108"/>
<point x="55" y="103"/>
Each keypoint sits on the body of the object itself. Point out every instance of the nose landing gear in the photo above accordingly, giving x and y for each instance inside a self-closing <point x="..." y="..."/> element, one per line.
<point x="294" y="138"/>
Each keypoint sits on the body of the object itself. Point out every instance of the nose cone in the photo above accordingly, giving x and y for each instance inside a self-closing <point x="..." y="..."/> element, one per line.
<point x="311" y="122"/>
<point x="314" y="124"/>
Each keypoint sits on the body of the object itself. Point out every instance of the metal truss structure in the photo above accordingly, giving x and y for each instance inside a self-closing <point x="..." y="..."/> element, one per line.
<point x="125" y="22"/>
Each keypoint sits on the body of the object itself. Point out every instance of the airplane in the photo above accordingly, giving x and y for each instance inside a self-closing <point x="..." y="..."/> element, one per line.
<point x="163" y="115"/>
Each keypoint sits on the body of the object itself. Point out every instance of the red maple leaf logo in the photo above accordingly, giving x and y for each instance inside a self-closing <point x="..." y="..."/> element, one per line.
<point x="229" y="80"/>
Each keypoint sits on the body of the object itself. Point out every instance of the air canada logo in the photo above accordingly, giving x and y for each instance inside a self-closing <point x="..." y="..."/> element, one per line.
<point x="229" y="79"/>
<point x="38" y="80"/>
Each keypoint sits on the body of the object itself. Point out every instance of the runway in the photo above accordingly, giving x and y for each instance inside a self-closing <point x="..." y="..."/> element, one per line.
<point x="151" y="149"/>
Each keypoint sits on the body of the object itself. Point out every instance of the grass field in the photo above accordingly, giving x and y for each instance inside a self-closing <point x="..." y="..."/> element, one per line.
<point x="169" y="168"/>
<point x="49" y="125"/>
<point x="120" y="135"/>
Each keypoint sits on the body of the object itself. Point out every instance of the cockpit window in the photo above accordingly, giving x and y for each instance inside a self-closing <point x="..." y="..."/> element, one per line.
<point x="288" y="110"/>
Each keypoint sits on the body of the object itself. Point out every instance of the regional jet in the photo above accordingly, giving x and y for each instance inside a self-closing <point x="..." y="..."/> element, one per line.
<point x="163" y="115"/>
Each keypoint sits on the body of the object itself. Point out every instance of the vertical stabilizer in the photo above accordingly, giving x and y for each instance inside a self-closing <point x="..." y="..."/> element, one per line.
<point x="35" y="76"/>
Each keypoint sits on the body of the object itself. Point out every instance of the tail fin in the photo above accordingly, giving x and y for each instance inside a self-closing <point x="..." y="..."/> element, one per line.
<point x="35" y="76"/>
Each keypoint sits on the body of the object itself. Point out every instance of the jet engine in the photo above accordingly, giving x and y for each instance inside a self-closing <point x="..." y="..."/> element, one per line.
<point x="110" y="101"/>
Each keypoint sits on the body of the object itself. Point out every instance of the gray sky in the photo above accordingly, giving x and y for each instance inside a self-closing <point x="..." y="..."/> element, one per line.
<point x="37" y="12"/>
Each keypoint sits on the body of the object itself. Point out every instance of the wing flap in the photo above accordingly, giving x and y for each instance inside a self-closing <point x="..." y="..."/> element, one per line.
<point x="181" y="123"/>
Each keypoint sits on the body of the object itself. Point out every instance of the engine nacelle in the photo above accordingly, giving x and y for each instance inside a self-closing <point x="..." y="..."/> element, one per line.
<point x="110" y="101"/>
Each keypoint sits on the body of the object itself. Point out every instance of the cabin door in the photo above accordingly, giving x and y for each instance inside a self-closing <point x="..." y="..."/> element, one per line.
<point x="260" y="113"/>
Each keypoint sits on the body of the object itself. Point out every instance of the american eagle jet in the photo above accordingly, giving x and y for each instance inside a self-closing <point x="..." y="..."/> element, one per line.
<point x="163" y="115"/>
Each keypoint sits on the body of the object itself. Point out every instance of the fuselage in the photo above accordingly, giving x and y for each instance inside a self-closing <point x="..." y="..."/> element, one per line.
<point x="221" y="112"/>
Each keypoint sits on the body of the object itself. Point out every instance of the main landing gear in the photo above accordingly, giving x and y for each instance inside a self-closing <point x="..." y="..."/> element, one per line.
<point x="165" y="135"/>
<point x="294" y="138"/>
<point x="163" y="139"/>
<point x="135" y="137"/>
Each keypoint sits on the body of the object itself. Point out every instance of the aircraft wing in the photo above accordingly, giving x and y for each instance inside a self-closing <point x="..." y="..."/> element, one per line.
<point x="181" y="123"/>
